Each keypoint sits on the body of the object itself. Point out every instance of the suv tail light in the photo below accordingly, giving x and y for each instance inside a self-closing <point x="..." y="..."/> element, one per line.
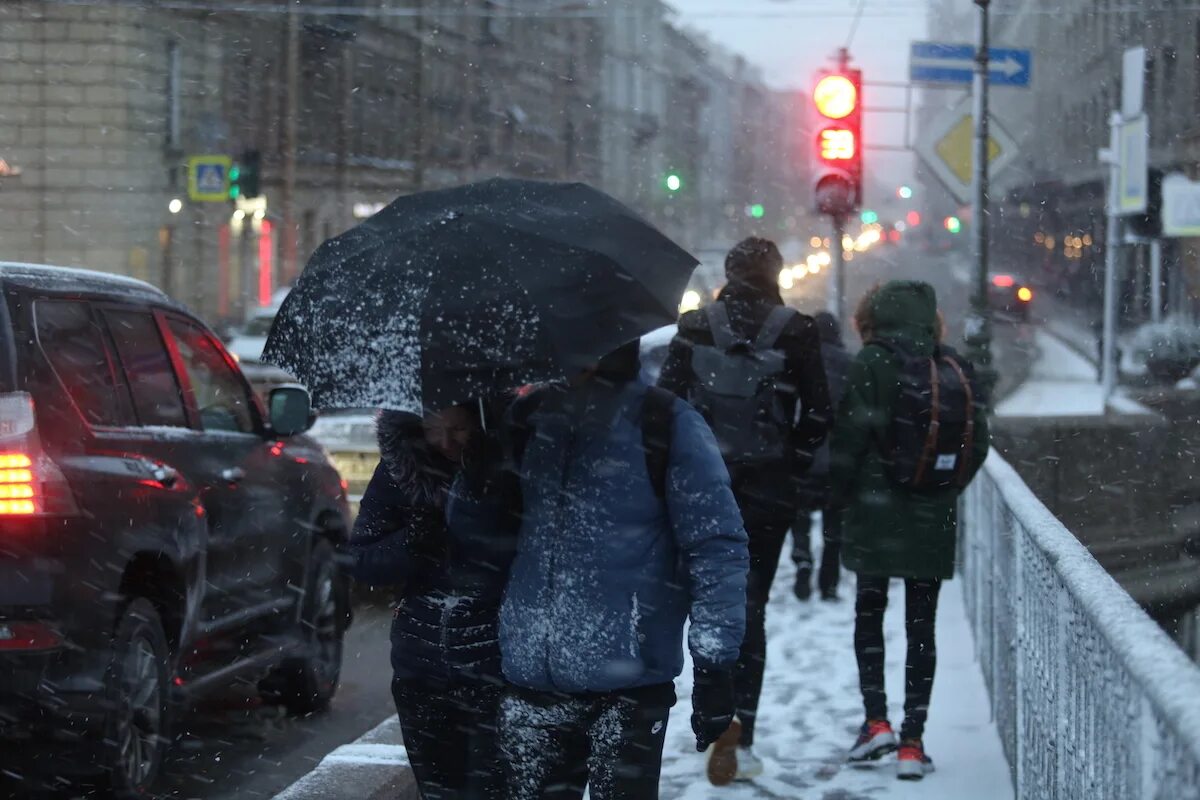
<point x="30" y="482"/>
<point x="28" y="636"/>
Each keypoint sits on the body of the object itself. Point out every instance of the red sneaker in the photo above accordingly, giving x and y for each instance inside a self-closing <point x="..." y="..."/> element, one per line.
<point x="913" y="764"/>
<point x="875" y="740"/>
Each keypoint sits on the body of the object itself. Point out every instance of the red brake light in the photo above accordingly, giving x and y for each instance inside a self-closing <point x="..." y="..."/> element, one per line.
<point x="18" y="495"/>
<point x="1003" y="281"/>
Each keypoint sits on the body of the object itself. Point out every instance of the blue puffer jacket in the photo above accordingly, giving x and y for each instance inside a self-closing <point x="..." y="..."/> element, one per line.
<point x="446" y="548"/>
<point x="606" y="572"/>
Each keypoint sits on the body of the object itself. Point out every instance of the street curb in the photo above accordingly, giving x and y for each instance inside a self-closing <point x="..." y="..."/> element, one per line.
<point x="372" y="767"/>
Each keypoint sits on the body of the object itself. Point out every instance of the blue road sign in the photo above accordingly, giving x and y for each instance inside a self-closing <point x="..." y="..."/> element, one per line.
<point x="939" y="62"/>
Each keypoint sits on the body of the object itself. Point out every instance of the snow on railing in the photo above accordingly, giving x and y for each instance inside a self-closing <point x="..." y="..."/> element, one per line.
<point x="1092" y="699"/>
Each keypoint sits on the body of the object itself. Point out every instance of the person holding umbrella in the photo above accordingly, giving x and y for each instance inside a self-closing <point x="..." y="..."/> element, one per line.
<point x="467" y="292"/>
<point x="629" y="528"/>
<point x="432" y="524"/>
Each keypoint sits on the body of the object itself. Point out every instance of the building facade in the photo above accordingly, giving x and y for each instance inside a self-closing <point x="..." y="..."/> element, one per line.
<point x="101" y="106"/>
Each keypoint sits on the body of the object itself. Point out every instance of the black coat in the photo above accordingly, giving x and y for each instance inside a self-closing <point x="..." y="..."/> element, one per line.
<point x="445" y="542"/>
<point x="764" y="490"/>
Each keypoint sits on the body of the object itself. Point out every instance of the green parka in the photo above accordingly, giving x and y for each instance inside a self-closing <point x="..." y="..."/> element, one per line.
<point x="888" y="530"/>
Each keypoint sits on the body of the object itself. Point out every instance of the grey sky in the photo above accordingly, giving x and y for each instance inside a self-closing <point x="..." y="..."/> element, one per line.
<point x="791" y="39"/>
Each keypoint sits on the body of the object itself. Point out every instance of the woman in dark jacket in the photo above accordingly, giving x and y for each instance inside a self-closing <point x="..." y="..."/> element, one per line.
<point x="432" y="524"/>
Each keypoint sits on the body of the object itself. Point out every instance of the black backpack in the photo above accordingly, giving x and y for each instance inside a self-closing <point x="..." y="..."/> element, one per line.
<point x="737" y="387"/>
<point x="658" y="418"/>
<point x="931" y="439"/>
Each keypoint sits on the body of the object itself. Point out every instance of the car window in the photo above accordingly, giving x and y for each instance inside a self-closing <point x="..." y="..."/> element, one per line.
<point x="156" y="394"/>
<point x="220" y="394"/>
<point x="76" y="347"/>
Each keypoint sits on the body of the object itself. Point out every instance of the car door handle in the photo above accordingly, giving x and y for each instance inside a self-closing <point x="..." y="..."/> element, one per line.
<point x="233" y="474"/>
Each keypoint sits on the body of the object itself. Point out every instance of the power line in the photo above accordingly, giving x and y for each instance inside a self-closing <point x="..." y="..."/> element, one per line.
<point x="854" y="25"/>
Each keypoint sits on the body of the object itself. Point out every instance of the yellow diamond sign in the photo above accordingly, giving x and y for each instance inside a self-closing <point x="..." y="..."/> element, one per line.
<point x="948" y="148"/>
<point x="957" y="149"/>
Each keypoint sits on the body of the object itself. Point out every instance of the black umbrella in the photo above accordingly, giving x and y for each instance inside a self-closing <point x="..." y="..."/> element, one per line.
<point x="458" y="293"/>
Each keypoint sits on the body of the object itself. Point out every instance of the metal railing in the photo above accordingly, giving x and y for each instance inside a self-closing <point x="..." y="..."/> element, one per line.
<point x="1092" y="699"/>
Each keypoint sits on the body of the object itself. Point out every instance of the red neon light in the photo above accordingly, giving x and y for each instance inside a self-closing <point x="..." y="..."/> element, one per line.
<point x="1003" y="281"/>
<point x="223" y="267"/>
<point x="266" y="256"/>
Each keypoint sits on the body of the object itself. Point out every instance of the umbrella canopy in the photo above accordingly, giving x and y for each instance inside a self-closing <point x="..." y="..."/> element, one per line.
<point x="464" y="292"/>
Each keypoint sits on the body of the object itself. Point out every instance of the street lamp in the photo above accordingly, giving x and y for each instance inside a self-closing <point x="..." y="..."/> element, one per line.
<point x="175" y="206"/>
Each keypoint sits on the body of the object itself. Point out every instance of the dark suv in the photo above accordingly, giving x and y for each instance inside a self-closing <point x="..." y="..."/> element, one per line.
<point x="161" y="533"/>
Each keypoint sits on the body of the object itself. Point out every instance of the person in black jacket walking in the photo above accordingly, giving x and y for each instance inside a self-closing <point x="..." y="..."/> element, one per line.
<point x="814" y="486"/>
<point x="434" y="524"/>
<point x="750" y="315"/>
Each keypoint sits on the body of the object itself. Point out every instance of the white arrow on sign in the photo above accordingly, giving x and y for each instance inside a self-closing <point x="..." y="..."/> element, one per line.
<point x="1008" y="67"/>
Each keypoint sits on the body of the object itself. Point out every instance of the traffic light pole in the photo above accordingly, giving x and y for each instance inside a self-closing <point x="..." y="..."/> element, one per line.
<point x="1112" y="244"/>
<point x="837" y="286"/>
<point x="979" y="327"/>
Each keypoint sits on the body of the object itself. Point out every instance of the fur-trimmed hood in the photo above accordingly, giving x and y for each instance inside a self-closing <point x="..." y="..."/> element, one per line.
<point x="418" y="470"/>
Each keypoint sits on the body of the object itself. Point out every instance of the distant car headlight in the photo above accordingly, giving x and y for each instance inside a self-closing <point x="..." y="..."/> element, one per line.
<point x="690" y="301"/>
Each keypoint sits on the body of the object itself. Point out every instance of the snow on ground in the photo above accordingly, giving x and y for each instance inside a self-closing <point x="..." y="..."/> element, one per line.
<point x="811" y="710"/>
<point x="1062" y="384"/>
<point x="809" y="716"/>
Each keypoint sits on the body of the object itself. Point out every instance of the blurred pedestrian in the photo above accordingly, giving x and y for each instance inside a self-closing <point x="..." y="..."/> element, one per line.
<point x="629" y="527"/>
<point x="434" y="524"/>
<point x="752" y="366"/>
<point x="911" y="432"/>
<point x="814" y="485"/>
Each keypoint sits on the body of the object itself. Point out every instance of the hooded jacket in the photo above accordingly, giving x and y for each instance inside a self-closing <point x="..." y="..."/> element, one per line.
<point x="889" y="530"/>
<point x="442" y="539"/>
<point x="767" y="490"/>
<point x="606" y="571"/>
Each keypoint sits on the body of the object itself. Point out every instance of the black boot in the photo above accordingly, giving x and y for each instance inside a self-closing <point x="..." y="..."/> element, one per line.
<point x="803" y="586"/>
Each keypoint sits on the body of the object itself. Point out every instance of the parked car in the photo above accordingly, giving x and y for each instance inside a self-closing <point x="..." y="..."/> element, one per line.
<point x="1010" y="294"/>
<point x="349" y="439"/>
<point x="162" y="533"/>
<point x="247" y="343"/>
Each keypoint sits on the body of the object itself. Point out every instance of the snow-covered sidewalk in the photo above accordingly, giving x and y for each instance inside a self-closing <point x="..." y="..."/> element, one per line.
<point x="809" y="716"/>
<point x="811" y="710"/>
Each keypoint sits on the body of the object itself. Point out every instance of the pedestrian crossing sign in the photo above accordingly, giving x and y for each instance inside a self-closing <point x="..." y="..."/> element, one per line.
<point x="208" y="178"/>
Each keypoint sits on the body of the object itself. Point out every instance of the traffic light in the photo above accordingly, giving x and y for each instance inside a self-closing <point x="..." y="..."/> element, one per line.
<point x="913" y="218"/>
<point x="952" y="224"/>
<point x="244" y="176"/>
<point x="673" y="182"/>
<point x="757" y="211"/>
<point x="869" y="217"/>
<point x="838" y="100"/>
<point x="904" y="192"/>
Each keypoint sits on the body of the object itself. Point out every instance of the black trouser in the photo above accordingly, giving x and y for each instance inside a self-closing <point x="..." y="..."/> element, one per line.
<point x="920" y="613"/>
<point x="831" y="553"/>
<point x="450" y="735"/>
<point x="766" y="544"/>
<point x="554" y="745"/>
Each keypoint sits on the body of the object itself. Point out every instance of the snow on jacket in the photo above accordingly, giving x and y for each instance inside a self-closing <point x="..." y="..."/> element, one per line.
<point x="443" y="544"/>
<point x="606" y="572"/>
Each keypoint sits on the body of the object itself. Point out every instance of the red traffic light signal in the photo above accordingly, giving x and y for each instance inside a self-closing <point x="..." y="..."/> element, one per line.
<point x="837" y="98"/>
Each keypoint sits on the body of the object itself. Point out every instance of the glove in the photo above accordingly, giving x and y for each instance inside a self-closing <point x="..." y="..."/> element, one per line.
<point x="712" y="705"/>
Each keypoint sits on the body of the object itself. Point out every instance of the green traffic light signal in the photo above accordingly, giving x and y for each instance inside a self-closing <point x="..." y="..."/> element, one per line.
<point x="953" y="224"/>
<point x="673" y="182"/>
<point x="235" y="187"/>
<point x="869" y="217"/>
<point x="758" y="211"/>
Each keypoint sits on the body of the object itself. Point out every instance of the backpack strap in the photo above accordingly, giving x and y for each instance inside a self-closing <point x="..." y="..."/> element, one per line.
<point x="773" y="326"/>
<point x="658" y="417"/>
<point x="718" y="323"/>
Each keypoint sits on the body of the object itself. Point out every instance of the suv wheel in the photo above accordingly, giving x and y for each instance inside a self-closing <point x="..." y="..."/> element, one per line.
<point x="137" y="683"/>
<point x="307" y="684"/>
